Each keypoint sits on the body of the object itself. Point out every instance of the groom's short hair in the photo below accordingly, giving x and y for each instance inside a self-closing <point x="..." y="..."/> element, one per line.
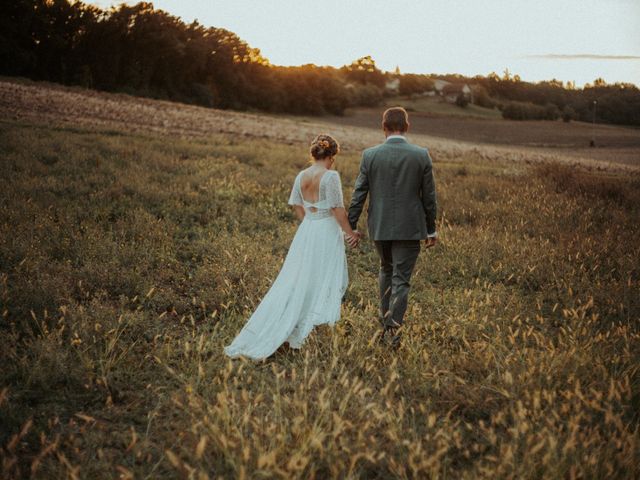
<point x="395" y="119"/>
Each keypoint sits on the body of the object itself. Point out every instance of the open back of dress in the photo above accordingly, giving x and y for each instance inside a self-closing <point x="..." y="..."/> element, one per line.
<point x="325" y="187"/>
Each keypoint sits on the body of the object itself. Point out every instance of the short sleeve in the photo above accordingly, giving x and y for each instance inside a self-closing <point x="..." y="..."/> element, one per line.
<point x="296" y="198"/>
<point x="333" y="190"/>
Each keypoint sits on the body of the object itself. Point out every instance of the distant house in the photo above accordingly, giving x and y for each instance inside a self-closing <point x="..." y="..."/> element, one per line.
<point x="451" y="91"/>
<point x="393" y="86"/>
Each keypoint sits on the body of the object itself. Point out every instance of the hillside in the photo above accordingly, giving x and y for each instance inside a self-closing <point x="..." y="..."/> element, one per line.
<point x="480" y="126"/>
<point x="43" y="102"/>
<point x="137" y="236"/>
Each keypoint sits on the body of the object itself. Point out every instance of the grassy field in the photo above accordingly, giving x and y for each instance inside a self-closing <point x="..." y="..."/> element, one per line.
<point x="128" y="260"/>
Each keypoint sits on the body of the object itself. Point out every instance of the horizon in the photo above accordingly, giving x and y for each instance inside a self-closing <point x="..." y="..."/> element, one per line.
<point x="580" y="42"/>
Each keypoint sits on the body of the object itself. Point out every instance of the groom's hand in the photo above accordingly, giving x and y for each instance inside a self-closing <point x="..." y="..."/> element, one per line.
<point x="358" y="236"/>
<point x="430" y="242"/>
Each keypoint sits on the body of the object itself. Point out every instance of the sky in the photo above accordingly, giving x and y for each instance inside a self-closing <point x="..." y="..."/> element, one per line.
<point x="569" y="40"/>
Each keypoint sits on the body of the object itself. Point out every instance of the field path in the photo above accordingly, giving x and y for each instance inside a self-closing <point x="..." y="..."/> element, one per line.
<point x="41" y="102"/>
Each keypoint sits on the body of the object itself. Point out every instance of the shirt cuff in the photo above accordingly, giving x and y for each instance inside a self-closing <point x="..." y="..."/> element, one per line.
<point x="432" y="235"/>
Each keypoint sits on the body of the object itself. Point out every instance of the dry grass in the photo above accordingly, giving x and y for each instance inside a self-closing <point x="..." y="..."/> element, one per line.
<point x="127" y="261"/>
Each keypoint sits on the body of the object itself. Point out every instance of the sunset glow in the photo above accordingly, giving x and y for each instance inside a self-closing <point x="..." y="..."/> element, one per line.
<point x="570" y="41"/>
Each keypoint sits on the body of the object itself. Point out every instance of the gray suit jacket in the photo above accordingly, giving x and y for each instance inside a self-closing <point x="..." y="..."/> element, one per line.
<point x="399" y="178"/>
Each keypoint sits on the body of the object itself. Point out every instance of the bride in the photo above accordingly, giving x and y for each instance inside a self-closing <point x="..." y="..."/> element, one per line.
<point x="309" y="288"/>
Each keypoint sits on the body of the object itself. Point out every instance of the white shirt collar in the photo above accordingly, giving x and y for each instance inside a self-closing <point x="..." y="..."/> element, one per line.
<point x="396" y="136"/>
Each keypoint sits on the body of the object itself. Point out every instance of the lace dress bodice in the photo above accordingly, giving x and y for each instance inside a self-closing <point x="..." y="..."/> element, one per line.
<point x="329" y="195"/>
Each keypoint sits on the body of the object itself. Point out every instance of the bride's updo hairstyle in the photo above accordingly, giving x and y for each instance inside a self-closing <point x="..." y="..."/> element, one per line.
<point x="324" y="146"/>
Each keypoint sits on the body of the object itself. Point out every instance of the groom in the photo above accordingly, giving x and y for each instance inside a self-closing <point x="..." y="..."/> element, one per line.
<point x="398" y="177"/>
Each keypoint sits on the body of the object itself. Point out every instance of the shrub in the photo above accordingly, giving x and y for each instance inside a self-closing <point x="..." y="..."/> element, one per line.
<point x="366" y="95"/>
<point x="551" y="112"/>
<point x="568" y="114"/>
<point x="530" y="111"/>
<point x="462" y="100"/>
<point x="482" y="98"/>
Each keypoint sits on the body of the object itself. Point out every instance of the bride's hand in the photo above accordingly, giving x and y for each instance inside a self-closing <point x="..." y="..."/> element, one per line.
<point x="353" y="239"/>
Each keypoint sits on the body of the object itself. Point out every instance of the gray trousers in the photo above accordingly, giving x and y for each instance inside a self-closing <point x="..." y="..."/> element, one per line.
<point x="397" y="259"/>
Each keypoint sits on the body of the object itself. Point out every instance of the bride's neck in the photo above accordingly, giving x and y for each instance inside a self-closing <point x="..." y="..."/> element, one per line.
<point x="326" y="163"/>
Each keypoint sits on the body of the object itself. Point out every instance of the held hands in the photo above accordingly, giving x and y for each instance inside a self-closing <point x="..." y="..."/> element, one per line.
<point x="353" y="239"/>
<point x="430" y="242"/>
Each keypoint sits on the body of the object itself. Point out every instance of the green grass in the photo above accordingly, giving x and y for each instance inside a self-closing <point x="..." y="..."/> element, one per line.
<point x="127" y="262"/>
<point x="436" y="105"/>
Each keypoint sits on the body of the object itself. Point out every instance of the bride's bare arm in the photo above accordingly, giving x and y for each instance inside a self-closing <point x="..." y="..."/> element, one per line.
<point x="299" y="211"/>
<point x="341" y="216"/>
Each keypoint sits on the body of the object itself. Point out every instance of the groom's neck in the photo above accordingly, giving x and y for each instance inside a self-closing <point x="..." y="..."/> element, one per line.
<point x="387" y="133"/>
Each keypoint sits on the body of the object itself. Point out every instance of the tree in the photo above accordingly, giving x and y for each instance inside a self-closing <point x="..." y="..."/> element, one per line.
<point x="412" y="83"/>
<point x="365" y="71"/>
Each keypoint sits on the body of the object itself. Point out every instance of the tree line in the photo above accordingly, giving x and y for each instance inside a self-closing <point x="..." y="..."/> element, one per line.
<point x="617" y="103"/>
<point x="145" y="51"/>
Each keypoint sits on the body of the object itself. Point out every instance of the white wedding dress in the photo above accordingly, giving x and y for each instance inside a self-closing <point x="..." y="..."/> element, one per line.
<point x="311" y="283"/>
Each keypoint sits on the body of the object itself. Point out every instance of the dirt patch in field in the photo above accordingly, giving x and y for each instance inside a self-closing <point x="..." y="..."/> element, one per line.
<point x="46" y="103"/>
